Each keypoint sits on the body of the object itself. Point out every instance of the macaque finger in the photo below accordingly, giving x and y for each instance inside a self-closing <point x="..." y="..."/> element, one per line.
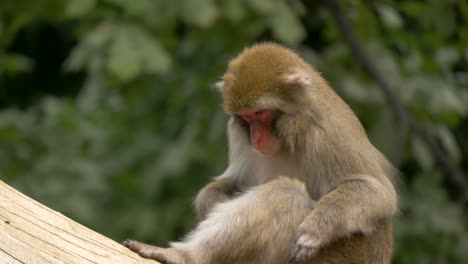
<point x="305" y="248"/>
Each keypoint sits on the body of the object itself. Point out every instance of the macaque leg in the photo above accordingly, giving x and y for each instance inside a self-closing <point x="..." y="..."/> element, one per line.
<point x="257" y="227"/>
<point x="162" y="255"/>
<point x="218" y="191"/>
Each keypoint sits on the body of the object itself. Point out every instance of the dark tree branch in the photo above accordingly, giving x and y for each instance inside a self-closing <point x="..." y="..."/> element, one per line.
<point x="406" y="121"/>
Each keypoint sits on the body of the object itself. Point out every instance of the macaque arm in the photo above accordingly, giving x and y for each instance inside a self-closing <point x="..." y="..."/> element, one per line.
<point x="354" y="206"/>
<point x="220" y="190"/>
<point x="226" y="185"/>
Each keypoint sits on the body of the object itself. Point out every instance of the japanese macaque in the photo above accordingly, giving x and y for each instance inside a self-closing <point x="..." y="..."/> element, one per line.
<point x="286" y="120"/>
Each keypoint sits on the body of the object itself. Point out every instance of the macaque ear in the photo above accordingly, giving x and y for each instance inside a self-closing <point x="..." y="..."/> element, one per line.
<point x="296" y="78"/>
<point x="219" y="86"/>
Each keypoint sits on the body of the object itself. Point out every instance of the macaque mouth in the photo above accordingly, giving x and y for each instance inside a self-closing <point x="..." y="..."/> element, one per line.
<point x="260" y="125"/>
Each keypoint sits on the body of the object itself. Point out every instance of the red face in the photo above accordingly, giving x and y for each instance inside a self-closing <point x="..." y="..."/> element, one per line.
<point x="261" y="130"/>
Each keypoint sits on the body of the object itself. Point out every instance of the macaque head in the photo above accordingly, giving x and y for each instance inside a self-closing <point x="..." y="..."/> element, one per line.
<point x="263" y="91"/>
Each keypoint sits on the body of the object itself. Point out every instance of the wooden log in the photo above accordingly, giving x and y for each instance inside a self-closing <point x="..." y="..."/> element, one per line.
<point x="33" y="233"/>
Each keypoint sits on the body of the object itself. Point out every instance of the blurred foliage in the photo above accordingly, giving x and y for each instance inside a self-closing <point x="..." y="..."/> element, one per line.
<point x="107" y="116"/>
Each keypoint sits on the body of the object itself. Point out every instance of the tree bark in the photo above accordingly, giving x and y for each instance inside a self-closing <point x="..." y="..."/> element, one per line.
<point x="33" y="233"/>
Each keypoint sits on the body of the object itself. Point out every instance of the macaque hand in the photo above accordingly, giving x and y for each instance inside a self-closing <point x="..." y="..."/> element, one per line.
<point x="308" y="243"/>
<point x="214" y="193"/>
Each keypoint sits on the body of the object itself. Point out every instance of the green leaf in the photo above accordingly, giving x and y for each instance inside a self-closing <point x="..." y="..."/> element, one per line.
<point x="413" y="62"/>
<point x="202" y="13"/>
<point x="286" y="26"/>
<point x="234" y="10"/>
<point x="442" y="17"/>
<point x="422" y="154"/>
<point x="447" y="56"/>
<point x="123" y="62"/>
<point x="449" y="143"/>
<point x="358" y="91"/>
<point x="366" y="24"/>
<point x="463" y="9"/>
<point x="77" y="8"/>
<point x="168" y="13"/>
<point x="263" y="6"/>
<point x="389" y="16"/>
<point x="134" y="52"/>
<point x="446" y="99"/>
<point x="384" y="134"/>
<point x="15" y="63"/>
<point x="78" y="58"/>
<point x="413" y="8"/>
<point x="9" y="132"/>
<point x="90" y="49"/>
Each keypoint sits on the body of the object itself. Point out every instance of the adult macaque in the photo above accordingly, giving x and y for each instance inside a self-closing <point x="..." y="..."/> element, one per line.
<point x="286" y="120"/>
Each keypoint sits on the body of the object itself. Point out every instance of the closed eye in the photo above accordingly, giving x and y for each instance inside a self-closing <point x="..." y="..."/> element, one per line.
<point x="242" y="122"/>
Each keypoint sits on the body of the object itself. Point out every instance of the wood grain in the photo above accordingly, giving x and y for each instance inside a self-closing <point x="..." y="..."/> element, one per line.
<point x="33" y="233"/>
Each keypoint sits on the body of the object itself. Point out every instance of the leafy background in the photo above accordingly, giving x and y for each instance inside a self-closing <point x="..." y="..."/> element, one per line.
<point x="107" y="116"/>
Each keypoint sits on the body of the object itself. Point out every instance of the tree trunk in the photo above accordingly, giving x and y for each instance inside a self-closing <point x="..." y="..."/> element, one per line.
<point x="33" y="233"/>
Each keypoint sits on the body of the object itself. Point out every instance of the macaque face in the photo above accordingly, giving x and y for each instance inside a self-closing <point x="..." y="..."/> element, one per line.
<point x="260" y="124"/>
<point x="260" y="90"/>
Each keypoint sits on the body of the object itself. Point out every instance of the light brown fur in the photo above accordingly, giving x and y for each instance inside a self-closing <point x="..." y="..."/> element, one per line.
<point x="219" y="239"/>
<point x="323" y="144"/>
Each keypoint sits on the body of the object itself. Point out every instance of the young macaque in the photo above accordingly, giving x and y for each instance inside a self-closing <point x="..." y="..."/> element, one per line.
<point x="286" y="120"/>
<point x="236" y="232"/>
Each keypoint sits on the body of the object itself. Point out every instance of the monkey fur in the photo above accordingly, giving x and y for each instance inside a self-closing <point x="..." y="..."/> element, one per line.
<point x="220" y="230"/>
<point x="286" y="120"/>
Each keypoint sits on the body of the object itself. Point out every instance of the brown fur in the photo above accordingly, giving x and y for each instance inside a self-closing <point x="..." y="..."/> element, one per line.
<point x="252" y="236"/>
<point x="323" y="144"/>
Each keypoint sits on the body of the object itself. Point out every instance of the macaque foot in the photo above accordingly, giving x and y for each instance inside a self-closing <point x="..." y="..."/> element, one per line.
<point x="162" y="255"/>
<point x="305" y="248"/>
<point x="144" y="250"/>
